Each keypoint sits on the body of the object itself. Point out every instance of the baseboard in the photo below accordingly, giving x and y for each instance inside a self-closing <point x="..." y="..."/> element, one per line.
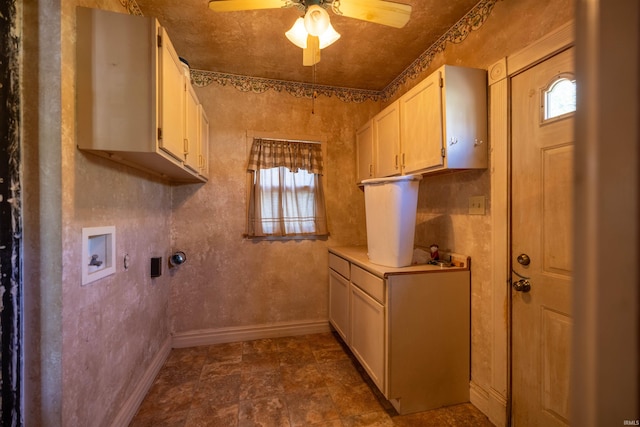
<point x="491" y="403"/>
<point x="247" y="333"/>
<point x="130" y="407"/>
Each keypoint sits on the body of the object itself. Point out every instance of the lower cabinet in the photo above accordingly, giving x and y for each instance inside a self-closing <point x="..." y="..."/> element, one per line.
<point x="409" y="329"/>
<point x="367" y="334"/>
<point x="339" y="304"/>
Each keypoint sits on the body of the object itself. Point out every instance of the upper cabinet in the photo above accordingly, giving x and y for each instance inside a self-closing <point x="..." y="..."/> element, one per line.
<point x="364" y="143"/>
<point x="421" y="126"/>
<point x="203" y="142"/>
<point x="440" y="124"/>
<point x="134" y="100"/>
<point x="386" y="141"/>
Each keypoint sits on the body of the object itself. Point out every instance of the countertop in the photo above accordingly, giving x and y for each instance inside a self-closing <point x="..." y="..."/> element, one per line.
<point x="358" y="255"/>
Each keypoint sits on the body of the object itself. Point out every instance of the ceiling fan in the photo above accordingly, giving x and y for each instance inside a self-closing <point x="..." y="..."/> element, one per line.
<point x="314" y="32"/>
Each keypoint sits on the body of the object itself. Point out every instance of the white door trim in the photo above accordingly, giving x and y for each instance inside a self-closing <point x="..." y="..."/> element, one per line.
<point x="494" y="401"/>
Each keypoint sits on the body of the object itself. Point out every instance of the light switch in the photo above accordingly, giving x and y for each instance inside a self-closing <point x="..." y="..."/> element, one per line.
<point x="477" y="205"/>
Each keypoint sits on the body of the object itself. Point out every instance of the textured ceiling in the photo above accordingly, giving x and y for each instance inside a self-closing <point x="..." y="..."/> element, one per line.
<point x="252" y="43"/>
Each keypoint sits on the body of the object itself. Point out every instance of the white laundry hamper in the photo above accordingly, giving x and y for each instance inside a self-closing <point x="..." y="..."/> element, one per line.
<point x="390" y="208"/>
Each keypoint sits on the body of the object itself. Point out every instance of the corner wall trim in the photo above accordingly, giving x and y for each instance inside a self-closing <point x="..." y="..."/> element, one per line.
<point x="246" y="333"/>
<point x="131" y="405"/>
<point x="491" y="403"/>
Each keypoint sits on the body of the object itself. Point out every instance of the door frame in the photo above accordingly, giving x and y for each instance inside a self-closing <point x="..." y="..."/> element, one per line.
<point x="497" y="403"/>
<point x="605" y="378"/>
<point x="11" y="243"/>
<point x="610" y="394"/>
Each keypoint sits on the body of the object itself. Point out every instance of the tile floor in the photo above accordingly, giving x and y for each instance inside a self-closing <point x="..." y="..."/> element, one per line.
<point x="309" y="380"/>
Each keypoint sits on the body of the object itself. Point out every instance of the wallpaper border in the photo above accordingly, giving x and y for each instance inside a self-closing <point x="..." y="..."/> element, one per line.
<point x="473" y="20"/>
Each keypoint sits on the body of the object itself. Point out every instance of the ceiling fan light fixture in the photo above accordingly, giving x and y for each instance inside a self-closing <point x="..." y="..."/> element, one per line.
<point x="298" y="34"/>
<point x="316" y="20"/>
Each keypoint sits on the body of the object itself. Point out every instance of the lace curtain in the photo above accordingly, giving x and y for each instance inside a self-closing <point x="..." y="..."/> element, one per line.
<point x="286" y="193"/>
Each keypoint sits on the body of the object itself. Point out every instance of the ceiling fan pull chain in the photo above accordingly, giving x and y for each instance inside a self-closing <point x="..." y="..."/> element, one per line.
<point x="314" y="93"/>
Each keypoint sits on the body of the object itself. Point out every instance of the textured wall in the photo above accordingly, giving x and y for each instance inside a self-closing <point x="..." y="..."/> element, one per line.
<point x="88" y="345"/>
<point x="93" y="341"/>
<point x="232" y="282"/>
<point x="229" y="281"/>
<point x="114" y="327"/>
<point x="443" y="199"/>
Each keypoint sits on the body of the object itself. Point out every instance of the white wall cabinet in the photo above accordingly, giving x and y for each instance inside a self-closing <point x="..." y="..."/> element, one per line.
<point x="364" y="144"/>
<point x="191" y="132"/>
<point x="408" y="327"/>
<point x="386" y="141"/>
<point x="131" y="95"/>
<point x="440" y="124"/>
<point x="203" y="142"/>
<point x="421" y="126"/>
<point x="172" y="103"/>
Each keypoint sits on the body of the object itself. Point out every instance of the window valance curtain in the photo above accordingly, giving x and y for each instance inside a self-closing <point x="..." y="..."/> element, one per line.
<point x="293" y="155"/>
<point x="286" y="195"/>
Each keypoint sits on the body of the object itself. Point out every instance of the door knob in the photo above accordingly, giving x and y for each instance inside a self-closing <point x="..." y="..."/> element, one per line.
<point x="522" y="285"/>
<point x="523" y="259"/>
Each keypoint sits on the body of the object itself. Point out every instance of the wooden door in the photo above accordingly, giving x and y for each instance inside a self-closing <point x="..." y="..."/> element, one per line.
<point x="542" y="187"/>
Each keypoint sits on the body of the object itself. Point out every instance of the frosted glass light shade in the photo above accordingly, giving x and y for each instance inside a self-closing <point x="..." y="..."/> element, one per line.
<point x="316" y="20"/>
<point x="329" y="37"/>
<point x="298" y="34"/>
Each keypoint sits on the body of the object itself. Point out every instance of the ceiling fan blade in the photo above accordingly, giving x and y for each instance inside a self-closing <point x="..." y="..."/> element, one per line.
<point x="379" y="11"/>
<point x="234" y="5"/>
<point x="311" y="54"/>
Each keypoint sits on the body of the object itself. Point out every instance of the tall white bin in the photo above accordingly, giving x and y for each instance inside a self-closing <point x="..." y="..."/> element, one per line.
<point x="390" y="208"/>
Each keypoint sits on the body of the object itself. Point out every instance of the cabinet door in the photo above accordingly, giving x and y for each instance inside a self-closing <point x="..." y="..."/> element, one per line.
<point x="203" y="142"/>
<point x="170" y="114"/>
<point x="421" y="125"/>
<point x="339" y="304"/>
<point x="364" y="143"/>
<point x="191" y="128"/>
<point x="367" y="334"/>
<point x="386" y="141"/>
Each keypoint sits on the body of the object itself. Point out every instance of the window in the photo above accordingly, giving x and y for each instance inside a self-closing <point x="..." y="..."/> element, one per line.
<point x="559" y="98"/>
<point x="286" y="195"/>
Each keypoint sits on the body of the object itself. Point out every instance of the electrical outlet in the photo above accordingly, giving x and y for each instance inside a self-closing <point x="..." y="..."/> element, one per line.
<point x="476" y="205"/>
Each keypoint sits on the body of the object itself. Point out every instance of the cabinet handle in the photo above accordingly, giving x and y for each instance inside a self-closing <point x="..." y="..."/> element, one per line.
<point x="396" y="161"/>
<point x="186" y="146"/>
<point x="201" y="163"/>
<point x="403" y="164"/>
<point x="476" y="142"/>
<point x="370" y="170"/>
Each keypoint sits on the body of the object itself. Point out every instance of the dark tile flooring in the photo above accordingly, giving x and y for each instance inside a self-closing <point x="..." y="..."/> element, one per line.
<point x="309" y="380"/>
